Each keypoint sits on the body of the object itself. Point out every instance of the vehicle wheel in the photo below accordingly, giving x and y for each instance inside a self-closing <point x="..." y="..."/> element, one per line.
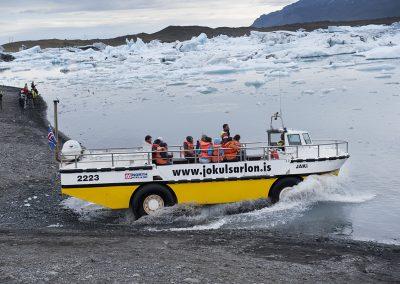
<point x="151" y="198"/>
<point x="281" y="186"/>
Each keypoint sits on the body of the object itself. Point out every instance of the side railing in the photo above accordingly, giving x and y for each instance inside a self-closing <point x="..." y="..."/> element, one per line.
<point x="249" y="151"/>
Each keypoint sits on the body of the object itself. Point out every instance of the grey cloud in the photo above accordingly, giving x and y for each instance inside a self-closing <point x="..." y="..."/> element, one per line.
<point x="63" y="6"/>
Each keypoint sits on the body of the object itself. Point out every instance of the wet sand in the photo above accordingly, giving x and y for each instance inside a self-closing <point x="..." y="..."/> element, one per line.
<point x="34" y="249"/>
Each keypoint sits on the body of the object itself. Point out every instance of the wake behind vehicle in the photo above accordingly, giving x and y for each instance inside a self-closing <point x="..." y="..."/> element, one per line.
<point x="129" y="178"/>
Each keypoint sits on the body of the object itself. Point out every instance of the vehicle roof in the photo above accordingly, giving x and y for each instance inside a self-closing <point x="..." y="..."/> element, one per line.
<point x="288" y="131"/>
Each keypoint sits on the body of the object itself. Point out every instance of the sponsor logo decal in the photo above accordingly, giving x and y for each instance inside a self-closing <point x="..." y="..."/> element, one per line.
<point x="135" y="175"/>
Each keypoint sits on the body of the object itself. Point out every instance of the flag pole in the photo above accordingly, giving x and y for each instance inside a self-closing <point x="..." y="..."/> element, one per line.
<point x="56" y="128"/>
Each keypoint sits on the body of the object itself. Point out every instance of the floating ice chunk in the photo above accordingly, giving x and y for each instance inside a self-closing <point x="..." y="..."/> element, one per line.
<point x="256" y="84"/>
<point x="383" y="76"/>
<point x="380" y="67"/>
<point x="308" y="92"/>
<point x="383" y="52"/>
<point x="29" y="51"/>
<point x="277" y="73"/>
<point x="135" y="46"/>
<point x="218" y="60"/>
<point x="298" y="82"/>
<point x="207" y="90"/>
<point x="194" y="43"/>
<point x="176" y="84"/>
<point x="221" y="70"/>
<point x="223" y="80"/>
<point x="327" y="91"/>
<point x="99" y="45"/>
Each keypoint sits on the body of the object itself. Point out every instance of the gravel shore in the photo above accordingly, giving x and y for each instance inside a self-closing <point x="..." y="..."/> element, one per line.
<point x="35" y="249"/>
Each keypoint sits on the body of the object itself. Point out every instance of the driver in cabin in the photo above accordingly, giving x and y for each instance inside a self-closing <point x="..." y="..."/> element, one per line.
<point x="281" y="143"/>
<point x="225" y="131"/>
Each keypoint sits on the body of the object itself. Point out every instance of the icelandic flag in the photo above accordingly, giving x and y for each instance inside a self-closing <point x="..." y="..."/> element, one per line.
<point x="51" y="138"/>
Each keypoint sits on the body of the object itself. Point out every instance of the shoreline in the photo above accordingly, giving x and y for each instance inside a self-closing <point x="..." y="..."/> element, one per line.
<point x="45" y="242"/>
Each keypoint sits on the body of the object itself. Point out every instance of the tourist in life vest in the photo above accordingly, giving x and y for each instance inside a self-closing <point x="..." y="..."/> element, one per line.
<point x="232" y="151"/>
<point x="225" y="131"/>
<point x="218" y="153"/>
<point x="25" y="90"/>
<point x="161" y="155"/>
<point x="154" y="147"/>
<point x="188" y="149"/>
<point x="205" y="149"/>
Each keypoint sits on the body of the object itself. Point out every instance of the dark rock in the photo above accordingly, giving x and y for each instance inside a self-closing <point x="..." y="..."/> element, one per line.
<point x="6" y="57"/>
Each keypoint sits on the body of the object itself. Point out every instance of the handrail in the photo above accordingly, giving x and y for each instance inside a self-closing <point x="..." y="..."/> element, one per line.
<point x="116" y="157"/>
<point x="249" y="143"/>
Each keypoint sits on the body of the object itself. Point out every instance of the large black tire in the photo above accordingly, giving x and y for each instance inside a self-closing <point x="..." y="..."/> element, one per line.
<point x="281" y="184"/>
<point x="155" y="190"/>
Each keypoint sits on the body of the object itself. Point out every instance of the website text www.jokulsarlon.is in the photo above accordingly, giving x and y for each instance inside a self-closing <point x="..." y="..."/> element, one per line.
<point x="210" y="170"/>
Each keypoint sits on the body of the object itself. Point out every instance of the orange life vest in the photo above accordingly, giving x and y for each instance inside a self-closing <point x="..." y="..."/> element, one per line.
<point x="204" y="148"/>
<point x="160" y="160"/>
<point x="153" y="150"/>
<point x="217" y="156"/>
<point x="232" y="151"/>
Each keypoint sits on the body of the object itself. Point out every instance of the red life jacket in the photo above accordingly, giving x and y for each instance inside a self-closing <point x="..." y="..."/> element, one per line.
<point x="153" y="150"/>
<point x="204" y="148"/>
<point x="274" y="155"/>
<point x="217" y="156"/>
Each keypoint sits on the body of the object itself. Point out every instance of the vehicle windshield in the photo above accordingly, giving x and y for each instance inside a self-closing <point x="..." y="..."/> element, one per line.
<point x="294" y="139"/>
<point x="275" y="138"/>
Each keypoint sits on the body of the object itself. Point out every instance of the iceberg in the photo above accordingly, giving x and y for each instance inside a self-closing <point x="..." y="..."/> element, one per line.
<point x="194" y="43"/>
<point x="383" y="52"/>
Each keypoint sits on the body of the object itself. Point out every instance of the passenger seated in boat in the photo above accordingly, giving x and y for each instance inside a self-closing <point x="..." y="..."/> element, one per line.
<point x="204" y="149"/>
<point x="154" y="147"/>
<point x="218" y="153"/>
<point x="188" y="149"/>
<point x="161" y="155"/>
<point x="232" y="151"/>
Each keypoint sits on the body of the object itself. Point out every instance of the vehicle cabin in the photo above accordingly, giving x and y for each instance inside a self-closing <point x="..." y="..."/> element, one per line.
<point x="280" y="137"/>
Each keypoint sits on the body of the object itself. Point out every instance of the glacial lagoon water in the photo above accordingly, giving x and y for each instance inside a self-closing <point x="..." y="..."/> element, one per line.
<point x="340" y="97"/>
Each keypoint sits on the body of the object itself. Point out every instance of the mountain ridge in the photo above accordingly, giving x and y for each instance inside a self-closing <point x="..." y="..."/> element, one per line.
<point x="304" y="11"/>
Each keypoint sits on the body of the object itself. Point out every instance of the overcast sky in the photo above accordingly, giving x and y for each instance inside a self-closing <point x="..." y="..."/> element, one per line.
<point x="38" y="19"/>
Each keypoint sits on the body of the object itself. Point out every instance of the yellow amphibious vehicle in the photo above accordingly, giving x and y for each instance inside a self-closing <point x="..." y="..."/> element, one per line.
<point x="128" y="178"/>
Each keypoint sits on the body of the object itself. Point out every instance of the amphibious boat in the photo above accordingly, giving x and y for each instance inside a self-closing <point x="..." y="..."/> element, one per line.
<point x="129" y="178"/>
